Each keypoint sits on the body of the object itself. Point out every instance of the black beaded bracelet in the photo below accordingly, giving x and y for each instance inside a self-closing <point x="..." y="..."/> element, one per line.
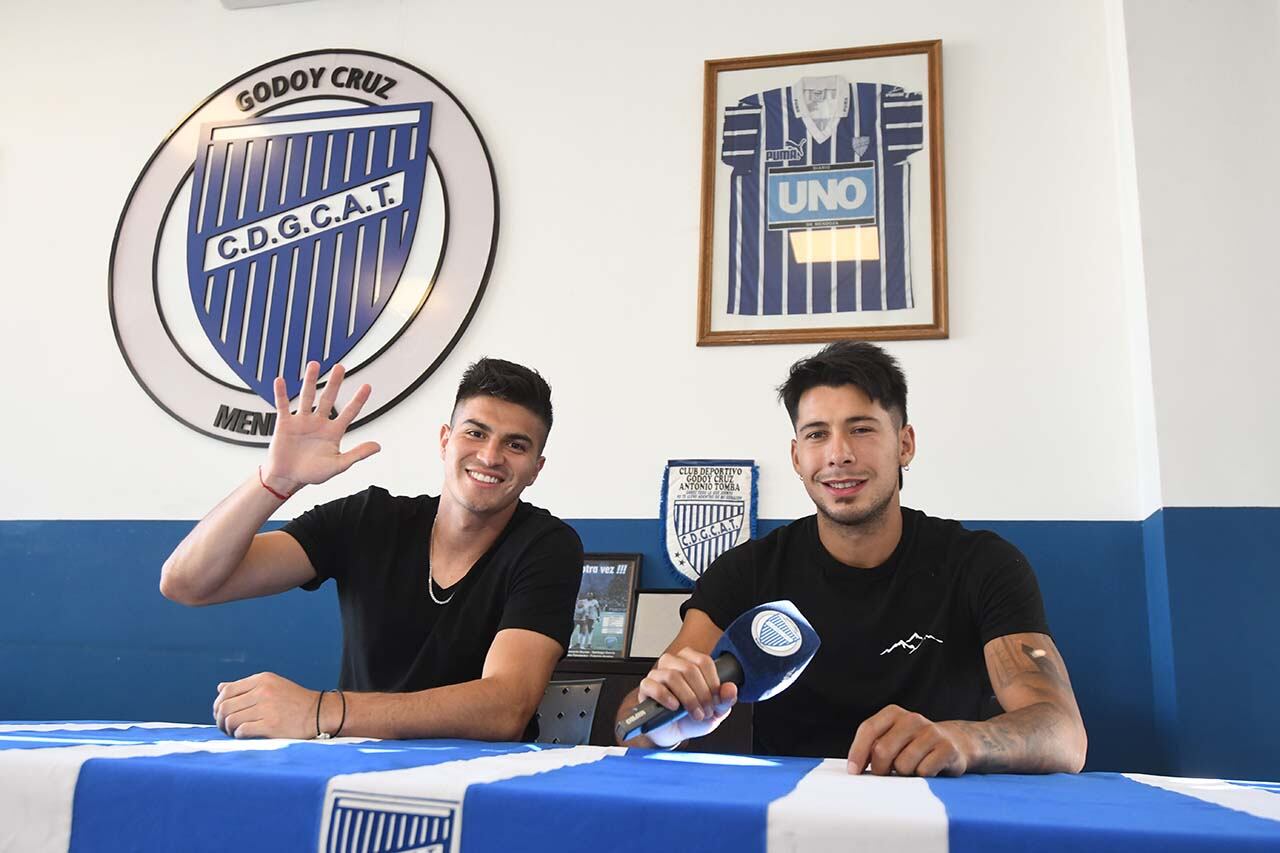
<point x="319" y="700"/>
<point x="341" y="722"/>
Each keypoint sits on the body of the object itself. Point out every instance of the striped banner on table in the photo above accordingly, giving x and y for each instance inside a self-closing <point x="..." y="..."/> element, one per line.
<point x="114" y="786"/>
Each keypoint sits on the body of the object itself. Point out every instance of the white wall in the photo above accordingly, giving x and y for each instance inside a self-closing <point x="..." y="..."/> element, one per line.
<point x="1025" y="412"/>
<point x="1132" y="265"/>
<point x="1205" y="120"/>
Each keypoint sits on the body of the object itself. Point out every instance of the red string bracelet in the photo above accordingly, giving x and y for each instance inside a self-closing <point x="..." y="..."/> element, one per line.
<point x="271" y="490"/>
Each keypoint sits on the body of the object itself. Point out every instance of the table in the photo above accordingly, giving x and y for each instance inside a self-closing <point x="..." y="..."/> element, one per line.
<point x="163" y="786"/>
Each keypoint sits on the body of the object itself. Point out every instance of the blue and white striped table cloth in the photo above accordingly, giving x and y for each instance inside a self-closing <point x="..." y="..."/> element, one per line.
<point x="159" y="786"/>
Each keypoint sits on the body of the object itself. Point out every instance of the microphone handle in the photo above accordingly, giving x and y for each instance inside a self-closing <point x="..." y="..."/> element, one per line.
<point x="728" y="669"/>
<point x="649" y="715"/>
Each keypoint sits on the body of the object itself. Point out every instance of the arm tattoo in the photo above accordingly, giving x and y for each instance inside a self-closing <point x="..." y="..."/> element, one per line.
<point x="1044" y="663"/>
<point x="1005" y="667"/>
<point x="1044" y="732"/>
<point x="1022" y="741"/>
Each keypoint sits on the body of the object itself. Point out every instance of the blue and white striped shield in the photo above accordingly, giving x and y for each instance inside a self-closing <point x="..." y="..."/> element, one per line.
<point x="708" y="507"/>
<point x="706" y="529"/>
<point x="394" y="824"/>
<point x="299" y="229"/>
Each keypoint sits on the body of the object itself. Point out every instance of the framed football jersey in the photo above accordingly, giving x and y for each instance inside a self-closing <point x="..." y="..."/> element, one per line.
<point x="823" y="205"/>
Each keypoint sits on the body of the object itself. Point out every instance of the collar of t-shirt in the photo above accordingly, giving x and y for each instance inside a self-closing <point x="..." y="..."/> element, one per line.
<point x="833" y="569"/>
<point x="432" y="507"/>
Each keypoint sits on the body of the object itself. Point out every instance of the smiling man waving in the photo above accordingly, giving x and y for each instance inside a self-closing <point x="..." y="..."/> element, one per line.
<point x="454" y="609"/>
<point x="935" y="657"/>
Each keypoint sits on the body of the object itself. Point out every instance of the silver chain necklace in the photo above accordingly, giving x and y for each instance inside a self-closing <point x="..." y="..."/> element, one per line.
<point x="431" y="583"/>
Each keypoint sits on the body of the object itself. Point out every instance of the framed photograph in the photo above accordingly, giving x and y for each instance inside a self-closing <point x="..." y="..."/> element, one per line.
<point x="657" y="621"/>
<point x="823" y="204"/>
<point x="605" y="610"/>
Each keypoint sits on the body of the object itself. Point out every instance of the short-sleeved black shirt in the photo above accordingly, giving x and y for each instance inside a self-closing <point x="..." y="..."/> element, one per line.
<point x="394" y="637"/>
<point x="909" y="632"/>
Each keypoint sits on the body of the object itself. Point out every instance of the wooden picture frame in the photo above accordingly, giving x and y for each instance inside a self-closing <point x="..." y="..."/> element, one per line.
<point x="823" y="198"/>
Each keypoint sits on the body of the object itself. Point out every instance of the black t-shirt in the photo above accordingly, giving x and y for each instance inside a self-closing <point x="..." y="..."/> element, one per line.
<point x="394" y="637"/>
<point x="909" y="632"/>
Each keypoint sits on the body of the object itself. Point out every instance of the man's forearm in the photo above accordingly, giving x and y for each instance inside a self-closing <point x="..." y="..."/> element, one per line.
<point x="208" y="555"/>
<point x="485" y="709"/>
<point x="1040" y="738"/>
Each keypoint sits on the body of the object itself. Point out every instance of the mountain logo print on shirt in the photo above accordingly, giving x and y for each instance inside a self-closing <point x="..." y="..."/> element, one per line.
<point x="911" y="644"/>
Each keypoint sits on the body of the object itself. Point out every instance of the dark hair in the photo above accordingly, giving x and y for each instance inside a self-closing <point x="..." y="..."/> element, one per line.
<point x="506" y="380"/>
<point x="857" y="363"/>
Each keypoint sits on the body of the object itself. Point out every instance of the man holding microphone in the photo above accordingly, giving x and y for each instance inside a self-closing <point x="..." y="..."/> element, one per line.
<point x="935" y="654"/>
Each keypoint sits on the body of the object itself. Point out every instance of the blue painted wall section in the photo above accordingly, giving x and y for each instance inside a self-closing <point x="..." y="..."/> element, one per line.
<point x="84" y="632"/>
<point x="1091" y="578"/>
<point x="1160" y="628"/>
<point x="1224" y="594"/>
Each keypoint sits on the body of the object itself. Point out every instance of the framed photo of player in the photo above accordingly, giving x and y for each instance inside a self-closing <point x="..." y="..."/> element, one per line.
<point x="604" y="614"/>
<point x="823" y="204"/>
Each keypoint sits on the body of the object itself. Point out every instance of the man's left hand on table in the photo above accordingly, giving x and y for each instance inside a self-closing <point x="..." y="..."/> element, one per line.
<point x="896" y="740"/>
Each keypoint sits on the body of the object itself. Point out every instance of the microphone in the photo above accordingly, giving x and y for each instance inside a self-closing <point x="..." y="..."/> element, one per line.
<point x="762" y="651"/>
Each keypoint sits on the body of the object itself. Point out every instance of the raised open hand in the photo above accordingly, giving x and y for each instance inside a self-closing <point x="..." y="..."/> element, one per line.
<point x="305" y="448"/>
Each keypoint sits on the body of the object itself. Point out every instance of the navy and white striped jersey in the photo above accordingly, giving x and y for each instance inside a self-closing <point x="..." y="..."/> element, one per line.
<point x="819" y="215"/>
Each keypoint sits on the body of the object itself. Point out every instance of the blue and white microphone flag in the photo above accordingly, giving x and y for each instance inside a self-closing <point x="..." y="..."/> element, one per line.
<point x="108" y="787"/>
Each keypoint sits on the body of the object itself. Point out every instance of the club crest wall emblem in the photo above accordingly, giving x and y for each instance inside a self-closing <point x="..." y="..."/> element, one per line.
<point x="708" y="507"/>
<point x="332" y="206"/>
